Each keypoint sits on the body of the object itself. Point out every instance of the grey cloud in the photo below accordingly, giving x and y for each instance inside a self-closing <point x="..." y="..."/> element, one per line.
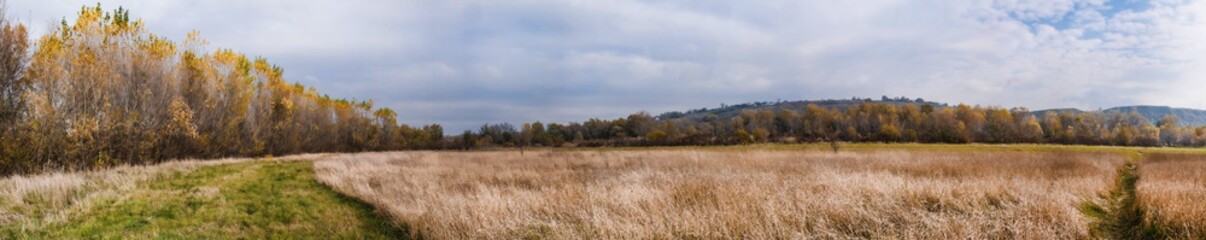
<point x="464" y="63"/>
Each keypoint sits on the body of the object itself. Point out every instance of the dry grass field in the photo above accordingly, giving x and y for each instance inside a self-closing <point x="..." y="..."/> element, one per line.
<point x="865" y="191"/>
<point x="1173" y="189"/>
<point x="748" y="193"/>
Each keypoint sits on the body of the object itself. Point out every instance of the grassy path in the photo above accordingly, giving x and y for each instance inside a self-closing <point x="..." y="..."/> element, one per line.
<point x="250" y="200"/>
<point x="1117" y="214"/>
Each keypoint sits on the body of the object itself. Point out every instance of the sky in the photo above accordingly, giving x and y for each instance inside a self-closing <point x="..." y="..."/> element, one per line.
<point x="465" y="63"/>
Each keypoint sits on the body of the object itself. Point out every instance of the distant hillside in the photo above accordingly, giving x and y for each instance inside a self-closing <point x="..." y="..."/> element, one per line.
<point x="1056" y="110"/>
<point x="1191" y="117"/>
<point x="728" y="111"/>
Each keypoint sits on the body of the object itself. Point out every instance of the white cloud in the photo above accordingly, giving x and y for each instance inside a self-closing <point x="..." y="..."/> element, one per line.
<point x="469" y="62"/>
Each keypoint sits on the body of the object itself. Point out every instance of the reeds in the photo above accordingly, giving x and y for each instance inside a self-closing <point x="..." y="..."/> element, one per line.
<point x="1173" y="191"/>
<point x="692" y="193"/>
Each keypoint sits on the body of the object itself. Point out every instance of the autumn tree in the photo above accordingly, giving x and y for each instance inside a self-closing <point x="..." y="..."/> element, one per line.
<point x="865" y="121"/>
<point x="14" y="57"/>
<point x="999" y="126"/>
<point x="14" y="45"/>
<point x="101" y="91"/>
<point x="889" y="133"/>
<point x="639" y="124"/>
<point x="180" y="134"/>
<point x="1170" y="130"/>
<point x="972" y="121"/>
<point x="656" y="136"/>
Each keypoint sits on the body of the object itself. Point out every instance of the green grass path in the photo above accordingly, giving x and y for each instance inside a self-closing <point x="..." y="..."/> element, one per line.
<point x="251" y="200"/>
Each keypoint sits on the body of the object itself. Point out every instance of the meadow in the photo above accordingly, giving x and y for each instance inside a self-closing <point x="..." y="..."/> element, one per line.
<point x="238" y="198"/>
<point x="899" y="191"/>
<point x="1173" y="189"/>
<point x="862" y="191"/>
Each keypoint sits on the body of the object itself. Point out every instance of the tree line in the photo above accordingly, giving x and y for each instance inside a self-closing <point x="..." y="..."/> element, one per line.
<point x="867" y="121"/>
<point x="102" y="91"/>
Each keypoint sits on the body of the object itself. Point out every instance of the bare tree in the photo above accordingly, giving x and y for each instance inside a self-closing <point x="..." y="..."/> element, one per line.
<point x="14" y="57"/>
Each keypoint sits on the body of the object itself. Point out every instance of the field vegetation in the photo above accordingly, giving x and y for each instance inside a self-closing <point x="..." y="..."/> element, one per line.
<point x="224" y="199"/>
<point x="772" y="191"/>
<point x="879" y="191"/>
<point x="100" y="90"/>
<point x="1172" y="188"/>
<point x="92" y="111"/>
<point x="855" y="121"/>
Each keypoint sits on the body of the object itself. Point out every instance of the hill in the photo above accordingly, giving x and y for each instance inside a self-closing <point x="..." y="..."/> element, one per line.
<point x="1188" y="116"/>
<point x="728" y="111"/>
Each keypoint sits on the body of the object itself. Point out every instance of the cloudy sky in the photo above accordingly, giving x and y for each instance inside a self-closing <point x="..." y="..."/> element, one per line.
<point x="464" y="63"/>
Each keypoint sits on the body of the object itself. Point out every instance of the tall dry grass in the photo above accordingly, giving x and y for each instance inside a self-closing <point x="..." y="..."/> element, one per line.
<point x="727" y="194"/>
<point x="1172" y="187"/>
<point x="33" y="201"/>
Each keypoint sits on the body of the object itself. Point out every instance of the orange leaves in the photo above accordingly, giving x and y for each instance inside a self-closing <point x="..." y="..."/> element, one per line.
<point x="157" y="47"/>
<point x="88" y="19"/>
<point x="102" y="86"/>
<point x="385" y="113"/>
<point x="181" y="119"/>
<point x="232" y="58"/>
<point x="95" y="21"/>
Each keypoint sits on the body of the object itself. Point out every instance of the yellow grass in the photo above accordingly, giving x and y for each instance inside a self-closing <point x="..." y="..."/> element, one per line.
<point x="729" y="193"/>
<point x="1172" y="187"/>
<point x="766" y="191"/>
